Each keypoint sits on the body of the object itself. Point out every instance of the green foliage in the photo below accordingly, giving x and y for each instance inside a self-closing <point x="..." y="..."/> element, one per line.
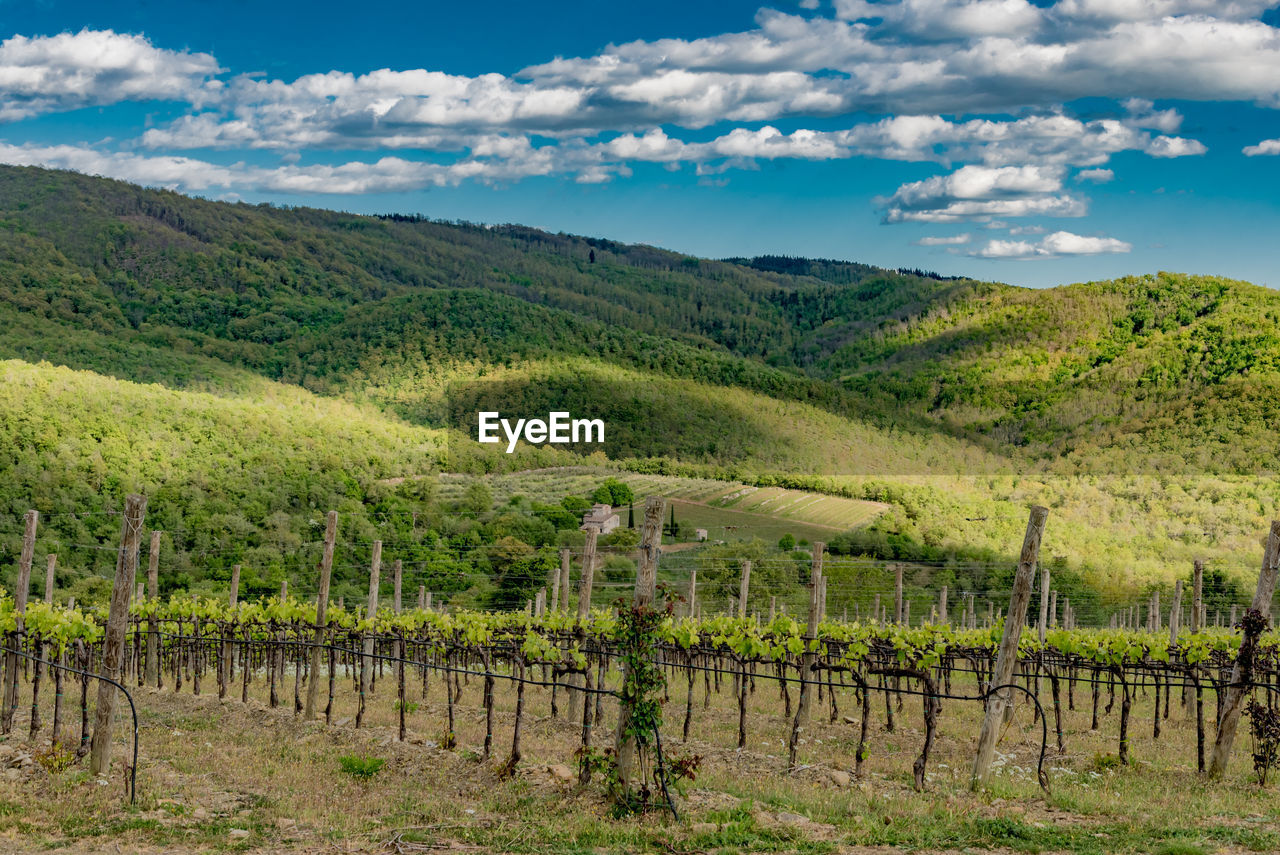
<point x="576" y="504"/>
<point x="479" y="498"/>
<point x="614" y="492"/>
<point x="361" y="768"/>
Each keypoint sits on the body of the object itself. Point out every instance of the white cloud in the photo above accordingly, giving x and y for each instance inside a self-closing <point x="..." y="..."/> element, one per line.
<point x="951" y="240"/>
<point x="47" y="74"/>
<point x="894" y="67"/>
<point x="947" y="19"/>
<point x="1175" y="147"/>
<point x="1054" y="245"/>
<point x="1095" y="176"/>
<point x="982" y="192"/>
<point x="1271" y="146"/>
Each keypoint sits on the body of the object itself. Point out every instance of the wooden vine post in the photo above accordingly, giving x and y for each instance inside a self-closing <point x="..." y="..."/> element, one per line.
<point x="153" y="627"/>
<point x="228" y="649"/>
<point x="1233" y="697"/>
<point x="642" y="599"/>
<point x="31" y="519"/>
<point x="585" y="583"/>
<point x="897" y="594"/>
<point x="1007" y="656"/>
<point x="322" y="606"/>
<point x="693" y="592"/>
<point x="742" y="590"/>
<point x="1197" y="597"/>
<point x="135" y="509"/>
<point x="808" y="659"/>
<point x="397" y="585"/>
<point x="366" y="644"/>
<point x="560" y="590"/>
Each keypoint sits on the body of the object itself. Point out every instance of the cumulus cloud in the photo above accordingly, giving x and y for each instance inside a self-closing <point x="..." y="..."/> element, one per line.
<point x="950" y="240"/>
<point x="1271" y="146"/>
<point x="975" y="86"/>
<point x="47" y="74"/>
<point x="983" y="192"/>
<point x="1053" y="245"/>
<point x="1095" y="176"/>
<point x="384" y="175"/>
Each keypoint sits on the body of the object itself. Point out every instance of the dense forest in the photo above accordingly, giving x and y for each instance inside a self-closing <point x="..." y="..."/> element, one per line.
<point x="248" y="365"/>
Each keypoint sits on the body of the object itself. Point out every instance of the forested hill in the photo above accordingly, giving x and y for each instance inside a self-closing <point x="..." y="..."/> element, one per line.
<point x="253" y="277"/>
<point x="305" y="359"/>
<point x="155" y="286"/>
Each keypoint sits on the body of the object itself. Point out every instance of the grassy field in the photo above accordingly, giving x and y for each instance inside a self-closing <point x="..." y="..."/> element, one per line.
<point x="224" y="776"/>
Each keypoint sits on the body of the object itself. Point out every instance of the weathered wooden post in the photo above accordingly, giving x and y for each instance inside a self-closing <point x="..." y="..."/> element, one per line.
<point x="1175" y="613"/>
<point x="20" y="594"/>
<point x="807" y="659"/>
<point x="646" y="583"/>
<point x="422" y="597"/>
<point x="1197" y="596"/>
<point x="397" y="585"/>
<point x="228" y="650"/>
<point x="897" y="594"/>
<point x="693" y="591"/>
<point x="942" y="605"/>
<point x="322" y="608"/>
<point x="1043" y="625"/>
<point x="555" y="580"/>
<point x="49" y="579"/>
<point x="1233" y="697"/>
<point x="366" y="643"/>
<point x="742" y="590"/>
<point x="135" y="509"/>
<point x="565" y="570"/>
<point x="585" y="583"/>
<point x="1007" y="656"/>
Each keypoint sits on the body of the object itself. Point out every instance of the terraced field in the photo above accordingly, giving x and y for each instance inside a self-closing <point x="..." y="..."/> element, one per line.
<point x="728" y="510"/>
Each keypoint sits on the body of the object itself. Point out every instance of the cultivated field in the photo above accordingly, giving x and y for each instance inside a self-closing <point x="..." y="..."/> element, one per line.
<point x="728" y="510"/>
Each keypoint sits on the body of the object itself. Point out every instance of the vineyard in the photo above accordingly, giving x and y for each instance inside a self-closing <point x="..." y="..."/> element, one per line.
<point x="631" y="688"/>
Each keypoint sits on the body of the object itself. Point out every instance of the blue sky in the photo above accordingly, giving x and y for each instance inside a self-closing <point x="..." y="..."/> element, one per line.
<point x="1034" y="143"/>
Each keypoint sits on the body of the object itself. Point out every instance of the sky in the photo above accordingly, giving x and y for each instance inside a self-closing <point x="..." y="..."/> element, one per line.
<point x="1035" y="143"/>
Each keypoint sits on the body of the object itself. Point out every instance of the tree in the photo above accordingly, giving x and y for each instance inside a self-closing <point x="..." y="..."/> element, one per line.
<point x="519" y="571"/>
<point x="673" y="527"/>
<point x="787" y="542"/>
<point x="478" y="498"/>
<point x="575" y="504"/>
<point x="613" y="492"/>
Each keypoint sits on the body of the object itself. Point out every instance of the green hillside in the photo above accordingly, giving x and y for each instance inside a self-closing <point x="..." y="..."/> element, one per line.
<point x="317" y="356"/>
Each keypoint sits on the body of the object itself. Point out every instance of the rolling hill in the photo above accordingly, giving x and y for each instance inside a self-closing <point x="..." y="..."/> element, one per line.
<point x="327" y="352"/>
